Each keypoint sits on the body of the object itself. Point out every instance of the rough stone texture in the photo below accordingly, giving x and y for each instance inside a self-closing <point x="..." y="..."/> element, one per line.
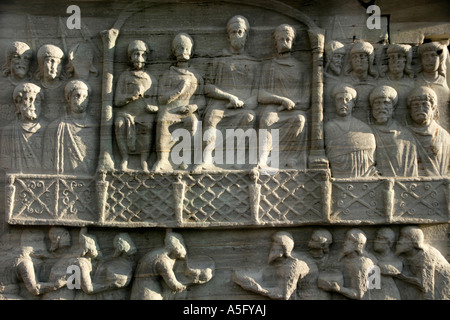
<point x="100" y="200"/>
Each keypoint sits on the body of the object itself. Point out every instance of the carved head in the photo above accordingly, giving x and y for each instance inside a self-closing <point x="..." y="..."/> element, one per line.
<point x="77" y="95"/>
<point x="320" y="242"/>
<point x="124" y="245"/>
<point x="284" y="36"/>
<point x="80" y="61"/>
<point x="175" y="245"/>
<point x="50" y="60"/>
<point x="28" y="98"/>
<point x="237" y="32"/>
<point x="59" y="238"/>
<point x="344" y="97"/>
<point x="138" y="52"/>
<point x="282" y="246"/>
<point x="355" y="241"/>
<point x="334" y="55"/>
<point x="89" y="245"/>
<point x="432" y="57"/>
<point x="383" y="100"/>
<point x="400" y="59"/>
<point x="422" y="104"/>
<point x="18" y="60"/>
<point x="384" y="240"/>
<point x="361" y="59"/>
<point x="411" y="238"/>
<point x="182" y="46"/>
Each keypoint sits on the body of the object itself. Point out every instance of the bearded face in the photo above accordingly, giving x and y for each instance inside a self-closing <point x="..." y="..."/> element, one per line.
<point x="29" y="106"/>
<point x="382" y="109"/>
<point x="237" y="37"/>
<point x="20" y="64"/>
<point x="78" y="101"/>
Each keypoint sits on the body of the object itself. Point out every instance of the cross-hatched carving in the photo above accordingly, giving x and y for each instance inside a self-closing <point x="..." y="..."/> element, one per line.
<point x="139" y="197"/>
<point x="217" y="198"/>
<point x="291" y="196"/>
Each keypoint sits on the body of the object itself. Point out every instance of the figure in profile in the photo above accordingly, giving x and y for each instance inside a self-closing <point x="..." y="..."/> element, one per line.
<point x="136" y="107"/>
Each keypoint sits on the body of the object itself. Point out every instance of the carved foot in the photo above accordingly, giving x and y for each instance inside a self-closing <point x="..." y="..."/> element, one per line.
<point x="144" y="165"/>
<point x="205" y="167"/>
<point x="162" y="166"/>
<point x="124" y="165"/>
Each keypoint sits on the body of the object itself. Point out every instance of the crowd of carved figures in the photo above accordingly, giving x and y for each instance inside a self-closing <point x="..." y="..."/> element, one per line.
<point x="382" y="116"/>
<point x="316" y="272"/>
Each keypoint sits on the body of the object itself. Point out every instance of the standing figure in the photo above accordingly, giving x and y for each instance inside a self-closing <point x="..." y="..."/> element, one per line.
<point x="396" y="151"/>
<point x="433" y="141"/>
<point x="399" y="75"/>
<point x="284" y="93"/>
<point x="72" y="141"/>
<point x="427" y="267"/>
<point x="433" y="74"/>
<point x="154" y="277"/>
<point x="357" y="266"/>
<point x="362" y="75"/>
<point x="135" y="102"/>
<point x="350" y="143"/>
<point x="181" y="100"/>
<point x="390" y="265"/>
<point x="52" y="76"/>
<point x="21" y="142"/>
<point x="334" y="63"/>
<point x="232" y="88"/>
<point x="289" y="270"/>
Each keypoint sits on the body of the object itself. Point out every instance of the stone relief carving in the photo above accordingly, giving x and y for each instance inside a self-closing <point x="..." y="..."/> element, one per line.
<point x="384" y="127"/>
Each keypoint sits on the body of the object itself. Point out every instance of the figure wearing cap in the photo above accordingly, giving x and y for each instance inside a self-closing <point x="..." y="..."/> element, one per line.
<point x="135" y="107"/>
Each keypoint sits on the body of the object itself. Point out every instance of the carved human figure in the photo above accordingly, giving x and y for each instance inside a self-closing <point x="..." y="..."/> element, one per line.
<point x="181" y="100"/>
<point x="18" y="268"/>
<point x="81" y="62"/>
<point x="433" y="74"/>
<point x="390" y="265"/>
<point x="396" y="151"/>
<point x="71" y="142"/>
<point x="358" y="264"/>
<point x="21" y="142"/>
<point x="114" y="272"/>
<point x="334" y="63"/>
<point x="427" y="267"/>
<point x="51" y="76"/>
<point x="317" y="260"/>
<point x="433" y="141"/>
<point x="136" y="107"/>
<point x="350" y="143"/>
<point x="232" y="86"/>
<point x="154" y="277"/>
<point x="18" y="62"/>
<point x="284" y="95"/>
<point x="399" y="75"/>
<point x="362" y="75"/>
<point x="287" y="270"/>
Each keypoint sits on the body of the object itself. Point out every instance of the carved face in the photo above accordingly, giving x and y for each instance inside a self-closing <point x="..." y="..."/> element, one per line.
<point x="237" y="36"/>
<point x="360" y="62"/>
<point x="397" y="63"/>
<point x="382" y="109"/>
<point x="276" y="251"/>
<point x="183" y="50"/>
<point x="381" y="243"/>
<point x="404" y="244"/>
<point x="344" y="104"/>
<point x="29" y="106"/>
<point x="421" y="110"/>
<point x="138" y="59"/>
<point x="430" y="61"/>
<point x="52" y="67"/>
<point x="78" y="100"/>
<point x="20" y="63"/>
<point x="284" y="41"/>
<point x="336" y="63"/>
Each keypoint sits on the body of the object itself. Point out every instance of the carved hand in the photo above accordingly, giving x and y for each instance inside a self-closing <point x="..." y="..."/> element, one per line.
<point x="191" y="108"/>
<point x="286" y="104"/>
<point x="151" y="109"/>
<point x="235" y="103"/>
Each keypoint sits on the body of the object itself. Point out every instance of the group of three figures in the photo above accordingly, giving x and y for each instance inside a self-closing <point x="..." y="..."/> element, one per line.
<point x="235" y="87"/>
